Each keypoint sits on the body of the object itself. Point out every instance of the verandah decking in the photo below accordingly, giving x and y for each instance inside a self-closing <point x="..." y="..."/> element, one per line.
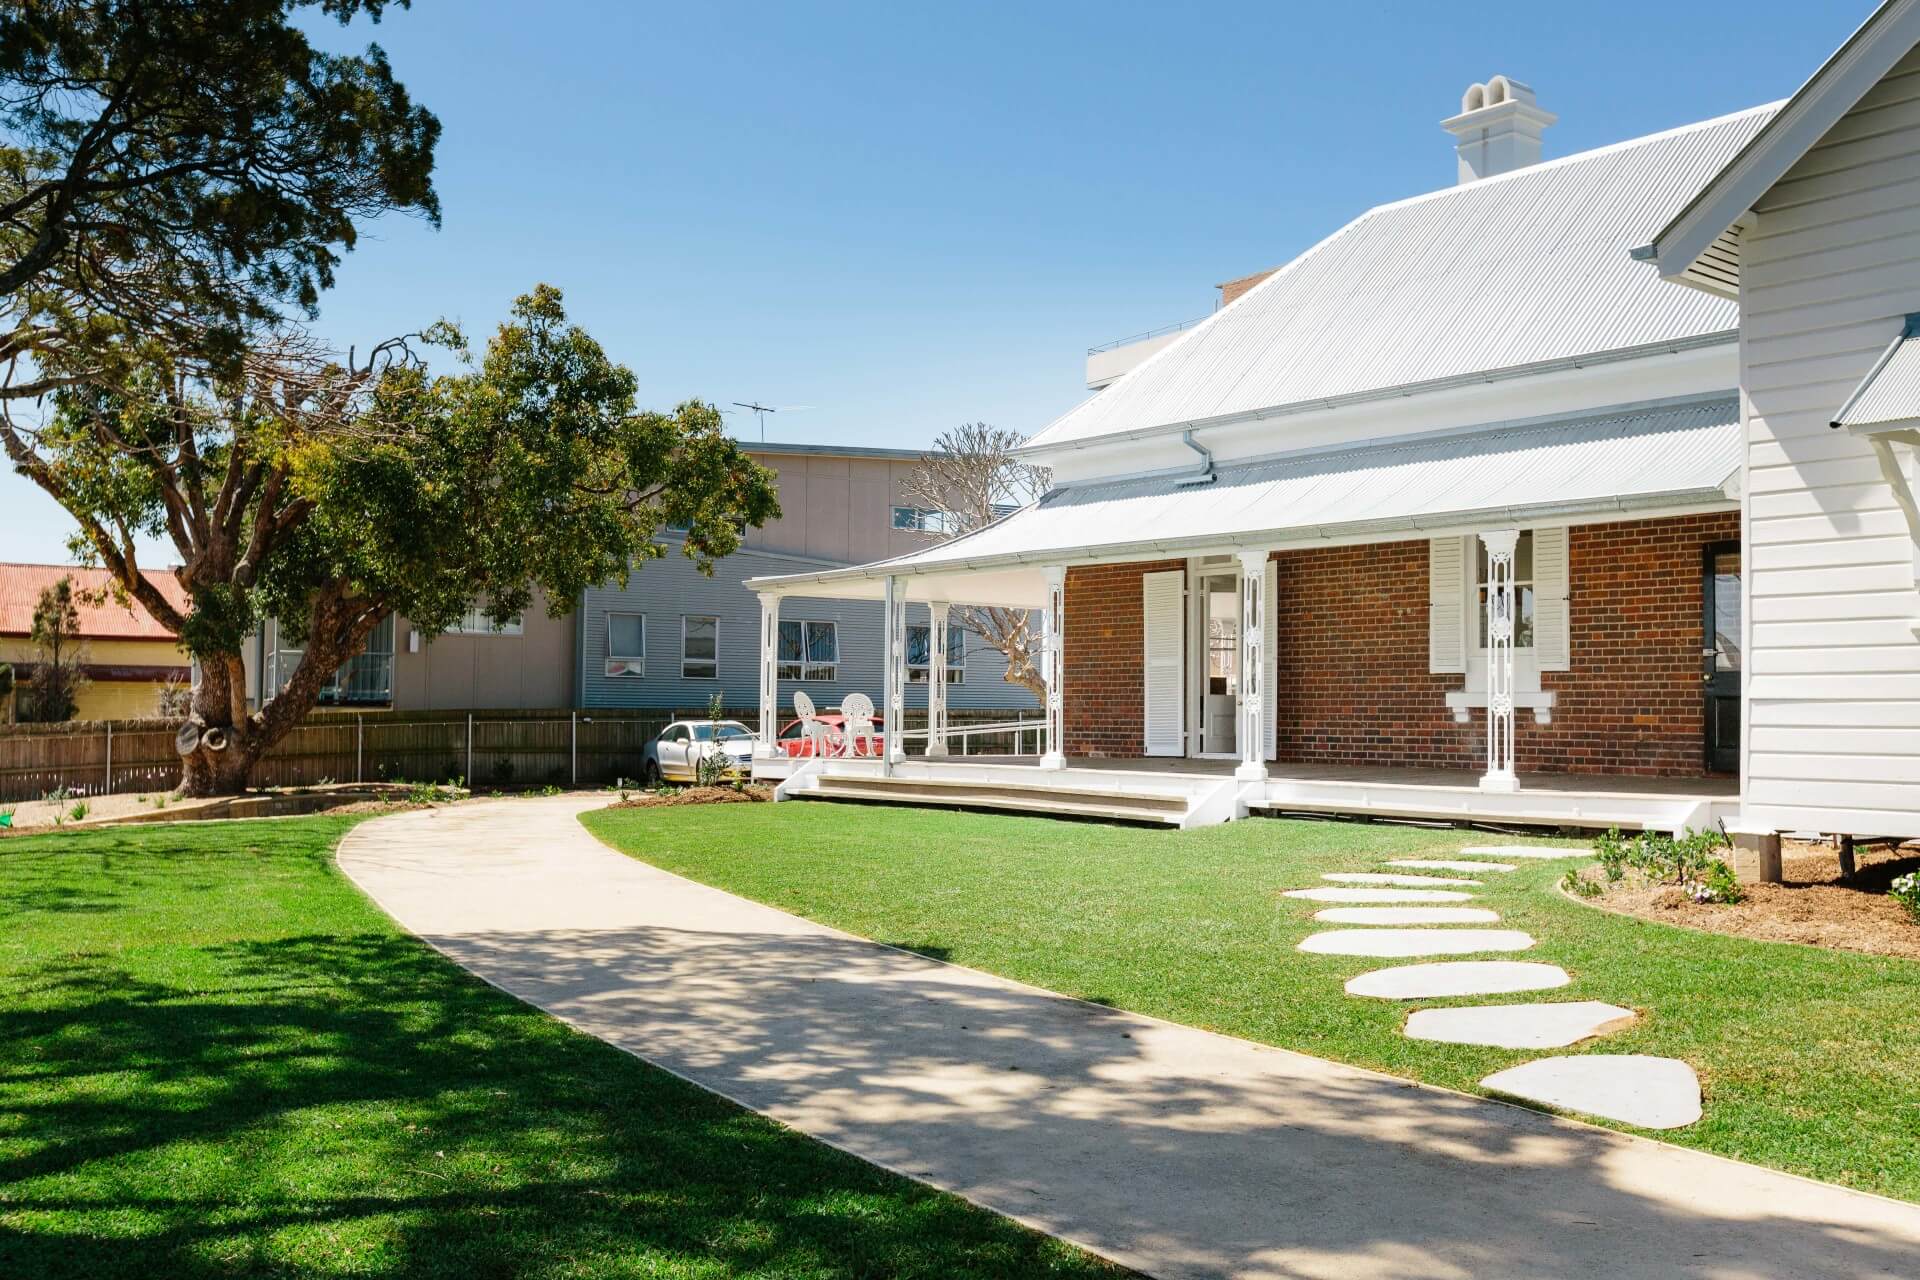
<point x="1189" y="792"/>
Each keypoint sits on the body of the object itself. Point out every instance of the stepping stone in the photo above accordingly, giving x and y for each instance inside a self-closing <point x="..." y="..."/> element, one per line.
<point x="1457" y="978"/>
<point x="1542" y="852"/>
<point x="1519" y="1026"/>
<point x="1381" y="877"/>
<point x="1378" y="895"/>
<point x="1654" y="1093"/>
<point x="1415" y="942"/>
<point x="1443" y="864"/>
<point x="1407" y="915"/>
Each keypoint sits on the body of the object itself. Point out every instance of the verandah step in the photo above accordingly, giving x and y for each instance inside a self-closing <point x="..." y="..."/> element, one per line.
<point x="1015" y="790"/>
<point x="1059" y="804"/>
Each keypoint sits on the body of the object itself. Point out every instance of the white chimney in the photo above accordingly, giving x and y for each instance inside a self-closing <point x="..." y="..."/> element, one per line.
<point x="1498" y="128"/>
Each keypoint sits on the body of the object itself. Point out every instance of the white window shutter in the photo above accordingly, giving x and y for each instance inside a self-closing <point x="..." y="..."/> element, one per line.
<point x="1446" y="596"/>
<point x="1163" y="601"/>
<point x="1270" y="661"/>
<point x="1552" y="620"/>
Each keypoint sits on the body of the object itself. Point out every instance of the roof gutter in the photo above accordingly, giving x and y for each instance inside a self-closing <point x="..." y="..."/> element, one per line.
<point x="1563" y="364"/>
<point x="1301" y="535"/>
<point x="1205" y="474"/>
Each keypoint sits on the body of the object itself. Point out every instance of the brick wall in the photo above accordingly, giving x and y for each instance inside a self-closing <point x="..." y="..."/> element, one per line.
<point x="1353" y="685"/>
<point x="1104" y="659"/>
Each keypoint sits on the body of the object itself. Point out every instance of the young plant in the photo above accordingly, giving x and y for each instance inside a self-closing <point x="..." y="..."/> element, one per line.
<point x="78" y="812"/>
<point x="713" y="766"/>
<point x="1905" y="890"/>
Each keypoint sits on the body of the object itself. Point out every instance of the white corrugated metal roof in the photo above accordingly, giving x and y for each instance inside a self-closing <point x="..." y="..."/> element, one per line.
<point x="1514" y="272"/>
<point x="1889" y="396"/>
<point x="1644" y="459"/>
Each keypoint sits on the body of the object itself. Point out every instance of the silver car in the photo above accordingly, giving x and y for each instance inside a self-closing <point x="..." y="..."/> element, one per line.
<point x="673" y="755"/>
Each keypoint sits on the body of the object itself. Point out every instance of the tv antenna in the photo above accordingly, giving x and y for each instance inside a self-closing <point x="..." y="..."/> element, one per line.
<point x="759" y="411"/>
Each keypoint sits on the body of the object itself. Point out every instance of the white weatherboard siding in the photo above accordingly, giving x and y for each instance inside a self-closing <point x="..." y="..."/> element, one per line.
<point x="1828" y="273"/>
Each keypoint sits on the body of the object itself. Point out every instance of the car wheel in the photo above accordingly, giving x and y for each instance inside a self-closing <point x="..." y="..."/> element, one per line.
<point x="650" y="773"/>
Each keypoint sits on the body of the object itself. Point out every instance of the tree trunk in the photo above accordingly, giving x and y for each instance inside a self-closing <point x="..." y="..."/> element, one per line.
<point x="216" y="712"/>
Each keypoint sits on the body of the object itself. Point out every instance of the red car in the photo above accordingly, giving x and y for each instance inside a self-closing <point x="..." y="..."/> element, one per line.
<point x="793" y="740"/>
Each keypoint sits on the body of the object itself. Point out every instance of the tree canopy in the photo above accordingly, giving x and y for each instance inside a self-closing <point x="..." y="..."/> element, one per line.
<point x="183" y="167"/>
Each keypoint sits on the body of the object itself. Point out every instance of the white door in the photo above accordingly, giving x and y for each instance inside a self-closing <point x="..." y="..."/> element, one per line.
<point x="1164" y="715"/>
<point x="1216" y="650"/>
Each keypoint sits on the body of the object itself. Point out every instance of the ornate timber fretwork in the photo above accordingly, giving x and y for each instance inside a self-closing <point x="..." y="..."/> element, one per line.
<point x="937" y="613"/>
<point x="769" y="673"/>
<point x="1253" y="673"/>
<point x="1499" y="546"/>
<point x="896" y="674"/>
<point x="1052" y="666"/>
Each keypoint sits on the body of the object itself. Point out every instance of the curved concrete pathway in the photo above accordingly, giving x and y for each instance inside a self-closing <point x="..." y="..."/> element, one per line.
<point x="1172" y="1150"/>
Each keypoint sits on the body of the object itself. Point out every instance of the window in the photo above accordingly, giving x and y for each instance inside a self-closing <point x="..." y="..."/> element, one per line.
<point x="1522" y="591"/>
<point x="475" y="622"/>
<point x="626" y="644"/>
<point x="364" y="680"/>
<point x="920" y="519"/>
<point x="809" y="651"/>
<point x="920" y="658"/>
<point x="700" y="647"/>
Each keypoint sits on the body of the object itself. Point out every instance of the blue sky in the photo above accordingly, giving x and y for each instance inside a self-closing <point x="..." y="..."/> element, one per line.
<point x="909" y="216"/>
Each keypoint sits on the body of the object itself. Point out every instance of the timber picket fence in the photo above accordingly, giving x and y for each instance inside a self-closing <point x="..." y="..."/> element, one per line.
<point x="488" y="749"/>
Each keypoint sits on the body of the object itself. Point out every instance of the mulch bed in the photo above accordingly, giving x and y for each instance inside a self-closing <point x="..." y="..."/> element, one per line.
<point x="697" y="795"/>
<point x="1814" y="905"/>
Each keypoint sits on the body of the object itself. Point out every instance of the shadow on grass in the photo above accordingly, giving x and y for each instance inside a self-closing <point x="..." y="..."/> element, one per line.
<point x="312" y="1105"/>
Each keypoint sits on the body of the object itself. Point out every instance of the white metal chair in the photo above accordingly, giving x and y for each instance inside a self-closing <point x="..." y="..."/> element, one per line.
<point x="819" y="734"/>
<point x="856" y="710"/>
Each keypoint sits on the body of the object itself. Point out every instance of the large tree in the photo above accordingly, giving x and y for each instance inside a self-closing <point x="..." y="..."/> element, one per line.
<point x="329" y="494"/>
<point x="183" y="168"/>
<point x="972" y="477"/>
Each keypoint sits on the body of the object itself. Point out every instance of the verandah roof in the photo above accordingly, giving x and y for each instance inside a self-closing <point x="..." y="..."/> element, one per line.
<point x="1654" y="460"/>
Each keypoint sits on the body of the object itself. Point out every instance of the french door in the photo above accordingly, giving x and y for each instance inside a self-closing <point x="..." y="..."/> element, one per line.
<point x="1720" y="653"/>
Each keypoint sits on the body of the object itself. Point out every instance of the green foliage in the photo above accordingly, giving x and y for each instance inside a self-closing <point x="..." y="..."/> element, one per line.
<point x="1578" y="885"/>
<point x="53" y="691"/>
<point x="173" y="163"/>
<point x="79" y="811"/>
<point x="711" y="766"/>
<point x="1905" y="890"/>
<point x="1692" y="862"/>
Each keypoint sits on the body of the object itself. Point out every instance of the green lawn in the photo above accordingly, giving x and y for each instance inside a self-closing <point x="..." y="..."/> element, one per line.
<point x="1810" y="1059"/>
<point x="217" y="1059"/>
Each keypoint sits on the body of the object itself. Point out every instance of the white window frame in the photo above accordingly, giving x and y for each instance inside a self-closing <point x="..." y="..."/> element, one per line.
<point x="917" y="672"/>
<point x="919" y="520"/>
<point x="686" y="661"/>
<point x="1527" y="693"/>
<point x="474" y="622"/>
<point x="627" y="663"/>
<point x="805" y="669"/>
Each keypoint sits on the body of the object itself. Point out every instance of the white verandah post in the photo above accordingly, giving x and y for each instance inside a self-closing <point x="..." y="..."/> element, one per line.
<point x="895" y="681"/>
<point x="1253" y="672"/>
<point x="769" y="673"/>
<point x="937" y="677"/>
<point x="1053" y="626"/>
<point x="1500" y="775"/>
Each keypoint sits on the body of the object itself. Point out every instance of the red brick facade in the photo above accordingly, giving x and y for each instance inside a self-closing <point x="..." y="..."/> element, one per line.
<point x="1353" y="685"/>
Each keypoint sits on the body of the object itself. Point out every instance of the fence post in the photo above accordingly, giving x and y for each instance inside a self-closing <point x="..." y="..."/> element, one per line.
<point x="573" y="743"/>
<point x="359" y="743"/>
<point x="109" y="757"/>
<point x="469" y="750"/>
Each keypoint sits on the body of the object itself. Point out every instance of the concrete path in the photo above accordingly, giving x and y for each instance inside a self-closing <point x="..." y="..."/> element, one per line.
<point x="1172" y="1150"/>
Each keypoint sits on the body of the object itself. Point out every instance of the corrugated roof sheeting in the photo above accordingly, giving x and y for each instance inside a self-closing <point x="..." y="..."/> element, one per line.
<point x="1890" y="394"/>
<point x="1518" y="270"/>
<point x="1633" y="459"/>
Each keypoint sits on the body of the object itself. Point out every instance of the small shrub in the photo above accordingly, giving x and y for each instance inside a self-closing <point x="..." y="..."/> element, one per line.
<point x="1575" y="883"/>
<point x="1905" y="890"/>
<point x="1692" y="862"/>
<point x="160" y="801"/>
<point x="78" y="812"/>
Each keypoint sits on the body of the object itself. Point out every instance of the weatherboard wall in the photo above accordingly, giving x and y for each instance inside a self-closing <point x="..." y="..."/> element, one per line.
<point x="1828" y="272"/>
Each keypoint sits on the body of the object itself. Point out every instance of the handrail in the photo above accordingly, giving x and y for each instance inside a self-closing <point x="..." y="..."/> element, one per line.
<point x="1164" y="329"/>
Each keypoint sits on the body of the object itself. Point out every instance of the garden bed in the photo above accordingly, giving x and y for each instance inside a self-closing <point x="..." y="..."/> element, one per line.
<point x="668" y="797"/>
<point x="1813" y="906"/>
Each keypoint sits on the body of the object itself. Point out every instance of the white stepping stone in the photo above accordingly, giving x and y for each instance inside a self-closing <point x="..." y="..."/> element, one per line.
<point x="1519" y="1026"/>
<point x="1457" y="978"/>
<point x="1542" y="852"/>
<point x="1379" y="895"/>
<point x="1654" y="1093"/>
<point x="1415" y="942"/>
<point x="1407" y="915"/>
<point x="1382" y="877"/>
<point x="1444" y="864"/>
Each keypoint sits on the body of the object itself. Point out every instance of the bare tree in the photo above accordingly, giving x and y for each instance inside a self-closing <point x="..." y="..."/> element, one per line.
<point x="970" y="479"/>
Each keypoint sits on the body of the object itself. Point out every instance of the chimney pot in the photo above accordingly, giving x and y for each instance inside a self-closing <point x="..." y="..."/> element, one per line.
<point x="1498" y="129"/>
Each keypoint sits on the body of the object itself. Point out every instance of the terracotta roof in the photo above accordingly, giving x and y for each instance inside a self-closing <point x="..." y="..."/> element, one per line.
<point x="21" y="585"/>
